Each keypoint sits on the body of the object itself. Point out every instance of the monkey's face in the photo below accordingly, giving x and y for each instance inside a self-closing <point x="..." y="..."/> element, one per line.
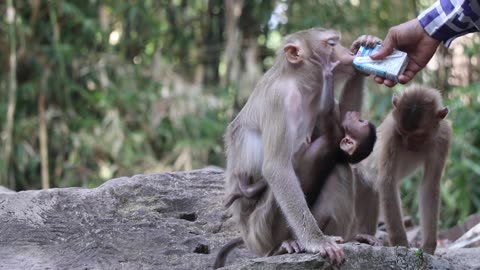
<point x="414" y="139"/>
<point x="356" y="130"/>
<point x="415" y="129"/>
<point x="355" y="127"/>
<point x="331" y="38"/>
<point x="414" y="125"/>
<point x="343" y="55"/>
<point x="305" y="47"/>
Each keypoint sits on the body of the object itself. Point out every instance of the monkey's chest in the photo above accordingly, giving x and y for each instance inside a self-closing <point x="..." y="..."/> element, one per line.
<point x="410" y="163"/>
<point x="304" y="132"/>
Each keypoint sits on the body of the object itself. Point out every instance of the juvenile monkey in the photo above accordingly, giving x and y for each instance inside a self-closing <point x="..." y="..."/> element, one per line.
<point x="414" y="134"/>
<point x="264" y="140"/>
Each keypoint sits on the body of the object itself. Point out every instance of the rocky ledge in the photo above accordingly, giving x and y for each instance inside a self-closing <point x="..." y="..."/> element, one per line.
<point x="160" y="221"/>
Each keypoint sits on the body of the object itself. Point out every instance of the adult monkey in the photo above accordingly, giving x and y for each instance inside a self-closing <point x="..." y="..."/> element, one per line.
<point x="263" y="140"/>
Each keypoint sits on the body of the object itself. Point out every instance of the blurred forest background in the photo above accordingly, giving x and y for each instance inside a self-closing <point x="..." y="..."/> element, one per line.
<point x="92" y="89"/>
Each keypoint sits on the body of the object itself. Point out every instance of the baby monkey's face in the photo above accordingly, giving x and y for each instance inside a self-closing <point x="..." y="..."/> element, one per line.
<point x="355" y="127"/>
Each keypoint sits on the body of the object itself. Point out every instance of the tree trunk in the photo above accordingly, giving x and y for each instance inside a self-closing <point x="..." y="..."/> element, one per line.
<point x="42" y="130"/>
<point x="12" y="96"/>
<point x="233" y="11"/>
<point x="213" y="37"/>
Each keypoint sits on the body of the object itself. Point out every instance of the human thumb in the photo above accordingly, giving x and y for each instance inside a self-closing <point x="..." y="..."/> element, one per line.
<point x="387" y="48"/>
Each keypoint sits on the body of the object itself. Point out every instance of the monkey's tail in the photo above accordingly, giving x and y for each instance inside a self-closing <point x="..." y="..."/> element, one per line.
<point x="223" y="252"/>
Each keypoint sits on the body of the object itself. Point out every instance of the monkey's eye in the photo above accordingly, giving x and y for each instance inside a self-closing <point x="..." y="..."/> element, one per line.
<point x="331" y="42"/>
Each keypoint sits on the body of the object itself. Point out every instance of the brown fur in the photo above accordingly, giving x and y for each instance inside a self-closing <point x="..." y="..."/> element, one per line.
<point x="414" y="135"/>
<point x="266" y="141"/>
<point x="264" y="138"/>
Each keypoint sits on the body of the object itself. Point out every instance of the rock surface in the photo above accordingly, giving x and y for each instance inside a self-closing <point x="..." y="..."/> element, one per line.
<point x="159" y="221"/>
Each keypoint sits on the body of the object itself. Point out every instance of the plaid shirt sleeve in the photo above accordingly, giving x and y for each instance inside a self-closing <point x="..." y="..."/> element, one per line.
<point x="448" y="19"/>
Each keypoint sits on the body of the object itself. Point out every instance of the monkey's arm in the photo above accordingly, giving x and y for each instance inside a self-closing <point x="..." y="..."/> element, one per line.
<point x="367" y="205"/>
<point x="321" y="156"/>
<point x="351" y="97"/>
<point x="329" y="123"/>
<point x="280" y="137"/>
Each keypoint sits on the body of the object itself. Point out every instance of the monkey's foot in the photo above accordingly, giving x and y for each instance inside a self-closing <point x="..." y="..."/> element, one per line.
<point x="429" y="249"/>
<point x="368" y="239"/>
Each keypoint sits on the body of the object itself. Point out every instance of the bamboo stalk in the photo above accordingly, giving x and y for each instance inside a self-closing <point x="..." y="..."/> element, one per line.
<point x="12" y="96"/>
<point x="57" y="48"/>
<point x="42" y="131"/>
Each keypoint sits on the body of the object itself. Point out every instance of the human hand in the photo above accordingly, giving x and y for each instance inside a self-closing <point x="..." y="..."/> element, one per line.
<point x="409" y="37"/>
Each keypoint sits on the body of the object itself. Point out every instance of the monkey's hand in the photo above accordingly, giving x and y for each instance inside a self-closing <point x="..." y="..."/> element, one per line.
<point x="323" y="58"/>
<point x="327" y="246"/>
<point x="365" y="40"/>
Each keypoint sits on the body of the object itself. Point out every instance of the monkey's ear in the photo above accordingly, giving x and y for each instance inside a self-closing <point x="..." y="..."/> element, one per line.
<point x="292" y="52"/>
<point x="348" y="145"/>
<point x="442" y="113"/>
<point x="395" y="100"/>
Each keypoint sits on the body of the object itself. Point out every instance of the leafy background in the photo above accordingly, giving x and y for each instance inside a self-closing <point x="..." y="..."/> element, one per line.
<point x="91" y="90"/>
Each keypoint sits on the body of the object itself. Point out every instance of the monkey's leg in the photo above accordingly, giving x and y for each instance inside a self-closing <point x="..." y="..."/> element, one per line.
<point x="391" y="203"/>
<point x="429" y="205"/>
<point x="367" y="206"/>
<point x="314" y="166"/>
<point x="333" y="207"/>
<point x="328" y="219"/>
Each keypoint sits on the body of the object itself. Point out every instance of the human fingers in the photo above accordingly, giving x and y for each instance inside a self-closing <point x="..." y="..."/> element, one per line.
<point x="379" y="79"/>
<point x="388" y="45"/>
<point x="410" y="71"/>
<point x="389" y="83"/>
